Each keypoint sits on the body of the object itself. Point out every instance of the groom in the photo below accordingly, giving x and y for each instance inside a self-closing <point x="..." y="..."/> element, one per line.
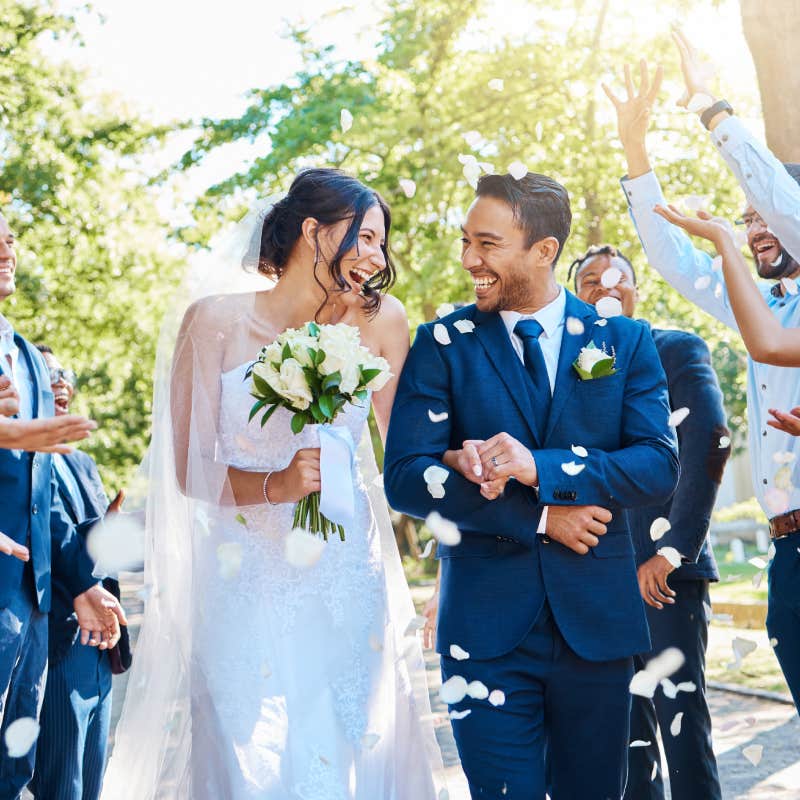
<point x="539" y="603"/>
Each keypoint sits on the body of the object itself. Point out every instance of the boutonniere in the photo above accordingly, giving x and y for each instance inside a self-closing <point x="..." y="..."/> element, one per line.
<point x="594" y="362"/>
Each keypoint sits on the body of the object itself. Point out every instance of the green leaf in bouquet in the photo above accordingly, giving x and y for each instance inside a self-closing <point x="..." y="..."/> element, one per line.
<point x="286" y="352"/>
<point x="319" y="358"/>
<point x="331" y="381"/>
<point x="313" y="380"/>
<point x="268" y="414"/>
<point x="298" y="422"/>
<point x="368" y="374"/>
<point x="313" y="329"/>
<point x="316" y="413"/>
<point x="263" y="388"/>
<point x="256" y="408"/>
<point x="361" y="394"/>
<point x="327" y="406"/>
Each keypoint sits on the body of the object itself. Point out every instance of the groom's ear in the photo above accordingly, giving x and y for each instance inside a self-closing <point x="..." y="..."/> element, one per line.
<point x="546" y="250"/>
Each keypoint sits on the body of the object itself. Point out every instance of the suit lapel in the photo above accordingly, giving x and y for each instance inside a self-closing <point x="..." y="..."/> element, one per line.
<point x="493" y="335"/>
<point x="37" y="377"/>
<point x="566" y="377"/>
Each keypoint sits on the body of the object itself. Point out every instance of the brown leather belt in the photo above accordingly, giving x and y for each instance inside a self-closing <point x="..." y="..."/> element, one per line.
<point x="784" y="524"/>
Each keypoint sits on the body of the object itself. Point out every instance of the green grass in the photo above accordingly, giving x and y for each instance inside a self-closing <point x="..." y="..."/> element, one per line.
<point x="736" y="580"/>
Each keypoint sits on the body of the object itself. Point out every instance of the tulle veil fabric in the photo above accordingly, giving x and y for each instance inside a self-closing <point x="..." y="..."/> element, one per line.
<point x="152" y="754"/>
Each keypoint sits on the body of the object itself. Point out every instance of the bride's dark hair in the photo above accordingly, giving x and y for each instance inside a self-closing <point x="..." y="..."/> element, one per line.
<point x="329" y="196"/>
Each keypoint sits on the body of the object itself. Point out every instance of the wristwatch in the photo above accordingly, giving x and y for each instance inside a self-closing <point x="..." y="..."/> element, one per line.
<point x="712" y="111"/>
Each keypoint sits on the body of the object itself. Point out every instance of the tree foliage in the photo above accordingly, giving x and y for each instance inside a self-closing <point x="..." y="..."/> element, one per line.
<point x="93" y="266"/>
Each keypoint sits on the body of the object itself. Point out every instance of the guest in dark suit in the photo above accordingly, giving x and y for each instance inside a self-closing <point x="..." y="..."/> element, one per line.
<point x="34" y="517"/>
<point x="76" y="713"/>
<point x="539" y="600"/>
<point x="676" y="610"/>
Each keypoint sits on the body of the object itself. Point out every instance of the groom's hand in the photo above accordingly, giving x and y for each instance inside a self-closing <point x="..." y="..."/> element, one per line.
<point x="577" y="527"/>
<point x="467" y="462"/>
<point x="503" y="456"/>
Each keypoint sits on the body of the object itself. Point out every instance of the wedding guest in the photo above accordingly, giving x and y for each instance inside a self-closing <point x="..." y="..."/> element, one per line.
<point x="76" y="712"/>
<point x="34" y="517"/>
<point x="691" y="272"/>
<point x="675" y="598"/>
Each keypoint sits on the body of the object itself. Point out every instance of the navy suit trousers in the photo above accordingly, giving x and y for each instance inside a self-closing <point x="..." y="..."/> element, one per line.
<point x="783" y="616"/>
<point x="563" y="727"/>
<point x="690" y="758"/>
<point x="23" y="666"/>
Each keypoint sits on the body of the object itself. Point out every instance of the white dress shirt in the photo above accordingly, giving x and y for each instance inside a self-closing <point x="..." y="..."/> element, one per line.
<point x="551" y="318"/>
<point x="18" y="371"/>
<point x="670" y="251"/>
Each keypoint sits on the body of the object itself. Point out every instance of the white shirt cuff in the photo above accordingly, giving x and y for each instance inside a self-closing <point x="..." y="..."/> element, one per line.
<point x="643" y="192"/>
<point x="543" y="521"/>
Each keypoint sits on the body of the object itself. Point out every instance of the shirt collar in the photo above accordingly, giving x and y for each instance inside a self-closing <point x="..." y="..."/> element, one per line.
<point x="6" y="329"/>
<point x="550" y="317"/>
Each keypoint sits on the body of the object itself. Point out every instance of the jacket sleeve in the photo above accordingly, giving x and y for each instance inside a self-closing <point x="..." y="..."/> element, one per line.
<point x="414" y="443"/>
<point x="645" y="470"/>
<point x="693" y="384"/>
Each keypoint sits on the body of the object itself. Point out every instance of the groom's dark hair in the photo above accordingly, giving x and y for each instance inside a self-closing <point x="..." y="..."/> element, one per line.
<point x="540" y="205"/>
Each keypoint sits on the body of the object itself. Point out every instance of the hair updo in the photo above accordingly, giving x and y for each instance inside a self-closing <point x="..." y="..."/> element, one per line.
<point x="329" y="196"/>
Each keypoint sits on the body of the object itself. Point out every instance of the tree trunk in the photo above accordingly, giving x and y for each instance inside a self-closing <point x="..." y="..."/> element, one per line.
<point x="772" y="30"/>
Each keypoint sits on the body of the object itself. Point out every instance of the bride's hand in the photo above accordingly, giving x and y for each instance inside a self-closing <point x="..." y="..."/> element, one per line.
<point x="300" y="478"/>
<point x="429" y="612"/>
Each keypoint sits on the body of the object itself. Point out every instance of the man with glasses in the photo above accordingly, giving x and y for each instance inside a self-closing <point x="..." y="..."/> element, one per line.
<point x="676" y="609"/>
<point x="76" y="713"/>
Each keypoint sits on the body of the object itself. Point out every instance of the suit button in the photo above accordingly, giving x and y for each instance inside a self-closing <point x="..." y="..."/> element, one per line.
<point x="573" y="495"/>
<point x="34" y="509"/>
<point x="545" y="539"/>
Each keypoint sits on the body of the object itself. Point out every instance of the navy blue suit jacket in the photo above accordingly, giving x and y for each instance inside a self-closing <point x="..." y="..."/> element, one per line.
<point x="31" y="512"/>
<point x="692" y="384"/>
<point x="492" y="590"/>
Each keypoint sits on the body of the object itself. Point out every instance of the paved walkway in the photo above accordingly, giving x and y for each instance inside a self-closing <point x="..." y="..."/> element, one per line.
<point x="739" y="722"/>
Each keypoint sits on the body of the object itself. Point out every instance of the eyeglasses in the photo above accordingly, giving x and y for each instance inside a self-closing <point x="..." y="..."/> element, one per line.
<point x="57" y="375"/>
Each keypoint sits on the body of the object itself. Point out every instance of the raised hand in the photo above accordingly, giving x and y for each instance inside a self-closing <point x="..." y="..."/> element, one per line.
<point x="9" y="397"/>
<point x="633" y="112"/>
<point x="698" y="75"/>
<point x="704" y="225"/>
<point x="99" y="617"/>
<point x="577" y="527"/>
<point x="44" y="435"/>
<point x="12" y="548"/>
<point x="788" y="422"/>
<point x="653" y="584"/>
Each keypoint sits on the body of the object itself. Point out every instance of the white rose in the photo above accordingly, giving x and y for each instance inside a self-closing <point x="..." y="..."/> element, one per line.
<point x="294" y="386"/>
<point x="589" y="356"/>
<point x="351" y="377"/>
<point x="379" y="381"/>
<point x="299" y="345"/>
<point x="340" y="343"/>
<point x="268" y="373"/>
<point x="272" y="352"/>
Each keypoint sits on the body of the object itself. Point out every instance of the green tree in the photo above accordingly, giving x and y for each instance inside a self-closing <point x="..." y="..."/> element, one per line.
<point x="94" y="267"/>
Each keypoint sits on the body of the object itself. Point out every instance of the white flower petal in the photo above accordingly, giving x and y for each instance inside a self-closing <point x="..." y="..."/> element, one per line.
<point x="699" y="102"/>
<point x="453" y="690"/>
<point x="580" y="451"/>
<point x="116" y="544"/>
<point x="655" y="771"/>
<point x="639" y="743"/>
<point x="671" y="554"/>
<point x="669" y="688"/>
<point x="436" y="490"/>
<point x="687" y="686"/>
<point x="675" y="726"/>
<point x="434" y="417"/>
<point x="790" y="285"/>
<point x="571" y="468"/>
<point x="517" y="170"/>
<point x="741" y="649"/>
<point x="435" y="474"/>
<point x="643" y="684"/>
<point x="601" y="322"/>
<point x="757" y="578"/>
<point x="417" y="624"/>
<point x="445" y="531"/>
<point x="758" y="562"/>
<point x="464" y="325"/>
<point x="703" y="282"/>
<point x="303" y="549"/>
<point x="369" y="740"/>
<point x="611" y="277"/>
<point x="20" y="736"/>
<point x="753" y="753"/>
<point x="724" y="441"/>
<point x="441" y="334"/>
<point x="658" y="528"/>
<point x="496" y="84"/>
<point x="345" y="120"/>
<point x="773" y="642"/>
<point x="445" y="309"/>
<point x="460" y="714"/>
<point x="458" y="653"/>
<point x="497" y="697"/>
<point x="477" y="690"/>
<point x="229" y="558"/>
<point x="472" y="138"/>
<point x="575" y="327"/>
<point x="408" y="186"/>
<point x="428" y="549"/>
<point x="677" y="416"/>
<point x="783" y="457"/>
<point x="608" y="307"/>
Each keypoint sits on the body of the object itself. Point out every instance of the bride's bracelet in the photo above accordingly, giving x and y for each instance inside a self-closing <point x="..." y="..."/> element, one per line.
<point x="264" y="489"/>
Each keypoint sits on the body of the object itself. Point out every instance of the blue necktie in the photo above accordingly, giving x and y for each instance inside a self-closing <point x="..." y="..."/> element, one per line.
<point x="529" y="330"/>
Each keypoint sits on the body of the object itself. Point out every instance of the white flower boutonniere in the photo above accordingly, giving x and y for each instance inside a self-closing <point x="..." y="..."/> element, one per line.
<point x="594" y="362"/>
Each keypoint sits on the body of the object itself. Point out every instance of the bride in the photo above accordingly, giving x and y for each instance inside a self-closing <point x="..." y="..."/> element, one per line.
<point x="255" y="678"/>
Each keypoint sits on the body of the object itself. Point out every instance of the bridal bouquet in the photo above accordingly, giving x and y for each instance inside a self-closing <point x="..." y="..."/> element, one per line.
<point x="314" y="371"/>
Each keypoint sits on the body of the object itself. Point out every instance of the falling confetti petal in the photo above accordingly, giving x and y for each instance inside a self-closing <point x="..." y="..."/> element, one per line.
<point x="517" y="170"/>
<point x="472" y="138"/>
<point x="434" y="417"/>
<point x="694" y="202"/>
<point x="497" y="697"/>
<point x="408" y="186"/>
<point x="345" y="120"/>
<point x="369" y="740"/>
<point x="303" y="549"/>
<point x="571" y="468"/>
<point x="445" y="309"/>
<point x="773" y="642"/>
<point x="601" y="322"/>
<point x="464" y="326"/>
<point x="741" y="649"/>
<point x="428" y="549"/>
<point x="645" y="681"/>
<point x="436" y="490"/>
<point x="496" y="84"/>
<point x="659" y="527"/>
<point x="453" y="690"/>
<point x="677" y="416"/>
<point x="790" y="284"/>
<point x="639" y="743"/>
<point x="460" y="714"/>
<point x="116" y="544"/>
<point x="416" y="624"/>
<point x="703" y="282"/>
<point x="458" y="653"/>
<point x="783" y="457"/>
<point x="687" y="686"/>
<point x="718" y="291"/>
<point x="575" y="326"/>
<point x="671" y="554"/>
<point x="445" y="531"/>
<point x="441" y="334"/>
<point x="435" y="474"/>
<point x="675" y="727"/>
<point x="611" y="277"/>
<point x="753" y="753"/>
<point x="580" y="451"/>
<point x="758" y="562"/>
<point x="229" y="556"/>
<point x="724" y="441"/>
<point x="655" y="771"/>
<point x="477" y="690"/>
<point x="669" y="688"/>
<point x="20" y="736"/>
<point x="608" y="307"/>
